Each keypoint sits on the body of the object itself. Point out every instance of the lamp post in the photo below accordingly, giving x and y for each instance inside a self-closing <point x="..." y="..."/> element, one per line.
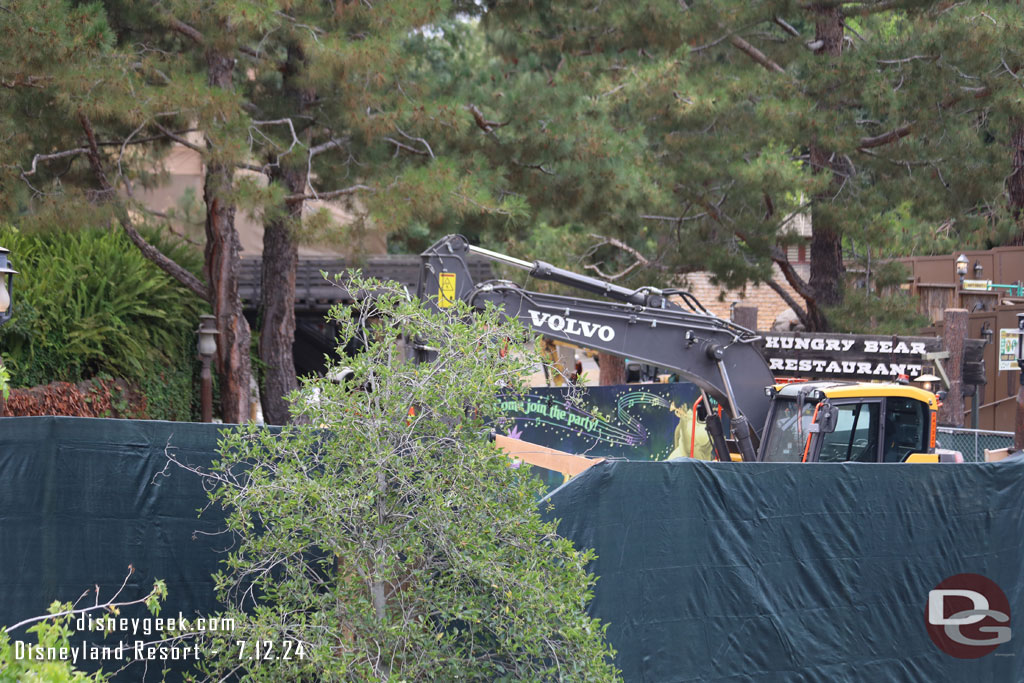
<point x="961" y="268"/>
<point x="206" y="346"/>
<point x="1018" y="432"/>
<point x="979" y="394"/>
<point x="6" y="285"/>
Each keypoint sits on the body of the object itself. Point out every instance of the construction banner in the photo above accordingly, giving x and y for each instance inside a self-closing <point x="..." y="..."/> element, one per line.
<point x="791" y="572"/>
<point x="633" y="421"/>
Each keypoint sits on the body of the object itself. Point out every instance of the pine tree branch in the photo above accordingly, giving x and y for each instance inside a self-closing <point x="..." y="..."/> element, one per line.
<point x="314" y="30"/>
<point x="977" y="93"/>
<point x="755" y="54"/>
<point x="853" y="31"/>
<point x="326" y="146"/>
<point x="481" y="121"/>
<point x="177" y="138"/>
<point x="183" y="276"/>
<point x="64" y="154"/>
<point x="790" y="301"/>
<point x="398" y="145"/>
<point x="638" y="258"/>
<point x="779" y="257"/>
<point x="329" y="195"/>
<point x="786" y="26"/>
<point x="885" y="138"/>
<point x="252" y="167"/>
<point x="278" y="122"/>
<point x="536" y="167"/>
<point x="50" y="157"/>
<point x="904" y="60"/>
<point x="866" y="8"/>
<point x="184" y="29"/>
<point x="422" y="141"/>
<point x="851" y="7"/>
<point x="24" y="82"/>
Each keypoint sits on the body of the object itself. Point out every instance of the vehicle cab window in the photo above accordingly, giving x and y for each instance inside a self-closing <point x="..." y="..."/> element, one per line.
<point x="788" y="438"/>
<point x="905" y="428"/>
<point x="855" y="438"/>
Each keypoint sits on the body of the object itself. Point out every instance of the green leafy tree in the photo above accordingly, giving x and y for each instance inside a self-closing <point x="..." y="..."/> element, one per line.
<point x="388" y="538"/>
<point x="53" y="632"/>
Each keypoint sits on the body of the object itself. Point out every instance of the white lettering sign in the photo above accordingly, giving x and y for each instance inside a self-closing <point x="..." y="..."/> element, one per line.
<point x="570" y="326"/>
<point x="842" y="345"/>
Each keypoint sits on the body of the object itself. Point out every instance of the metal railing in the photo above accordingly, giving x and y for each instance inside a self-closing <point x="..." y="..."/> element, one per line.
<point x="972" y="442"/>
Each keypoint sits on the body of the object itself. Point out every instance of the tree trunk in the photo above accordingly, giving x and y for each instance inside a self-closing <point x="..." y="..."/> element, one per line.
<point x="234" y="367"/>
<point x="827" y="269"/>
<point x="613" y="369"/>
<point x="1015" y="181"/>
<point x="277" y="302"/>
<point x="280" y="260"/>
<point x="954" y="332"/>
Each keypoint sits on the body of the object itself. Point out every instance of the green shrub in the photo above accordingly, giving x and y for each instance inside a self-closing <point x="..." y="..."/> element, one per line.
<point x="88" y="303"/>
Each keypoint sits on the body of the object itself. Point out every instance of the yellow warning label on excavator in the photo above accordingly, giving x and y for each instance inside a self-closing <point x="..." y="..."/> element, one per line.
<point x="446" y="290"/>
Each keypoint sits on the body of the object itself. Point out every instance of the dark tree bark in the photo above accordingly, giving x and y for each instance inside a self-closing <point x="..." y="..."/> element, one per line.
<point x="280" y="260"/>
<point x="277" y="301"/>
<point x="954" y="332"/>
<point x="222" y="270"/>
<point x="613" y="369"/>
<point x="826" y="280"/>
<point x="1015" y="181"/>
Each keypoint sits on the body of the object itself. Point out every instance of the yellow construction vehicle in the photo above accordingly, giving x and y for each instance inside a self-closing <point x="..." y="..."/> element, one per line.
<point x="669" y="328"/>
<point x="850" y="422"/>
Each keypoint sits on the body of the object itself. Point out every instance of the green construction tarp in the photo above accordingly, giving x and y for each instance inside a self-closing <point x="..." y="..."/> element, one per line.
<point x="82" y="499"/>
<point x="793" y="572"/>
<point x="708" y="571"/>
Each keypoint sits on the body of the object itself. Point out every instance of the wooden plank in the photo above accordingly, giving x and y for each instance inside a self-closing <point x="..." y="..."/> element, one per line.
<point x="557" y="461"/>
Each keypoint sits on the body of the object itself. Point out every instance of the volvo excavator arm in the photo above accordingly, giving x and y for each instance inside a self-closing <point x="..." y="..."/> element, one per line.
<point x="642" y="324"/>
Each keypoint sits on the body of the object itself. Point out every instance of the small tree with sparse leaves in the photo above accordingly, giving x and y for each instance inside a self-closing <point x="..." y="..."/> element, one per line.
<point x="384" y="536"/>
<point x="43" y="660"/>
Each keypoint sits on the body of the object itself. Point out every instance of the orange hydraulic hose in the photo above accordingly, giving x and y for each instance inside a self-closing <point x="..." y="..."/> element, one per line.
<point x="693" y="424"/>
<point x="814" y="419"/>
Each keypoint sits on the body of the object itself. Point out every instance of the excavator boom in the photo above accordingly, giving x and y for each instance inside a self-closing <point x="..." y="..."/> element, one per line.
<point x="642" y="324"/>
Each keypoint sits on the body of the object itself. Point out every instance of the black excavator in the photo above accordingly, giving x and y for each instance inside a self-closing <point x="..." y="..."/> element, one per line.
<point x="669" y="328"/>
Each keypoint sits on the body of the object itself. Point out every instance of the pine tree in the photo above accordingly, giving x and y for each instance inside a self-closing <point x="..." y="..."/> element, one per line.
<point x="317" y="100"/>
<point x="856" y="112"/>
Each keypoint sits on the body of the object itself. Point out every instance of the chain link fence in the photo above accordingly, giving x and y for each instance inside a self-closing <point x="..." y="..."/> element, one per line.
<point x="972" y="442"/>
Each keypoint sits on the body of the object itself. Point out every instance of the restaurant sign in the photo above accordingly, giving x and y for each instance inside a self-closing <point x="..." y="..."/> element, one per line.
<point x="846" y="356"/>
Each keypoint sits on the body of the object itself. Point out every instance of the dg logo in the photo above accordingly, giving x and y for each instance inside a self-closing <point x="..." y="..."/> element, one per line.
<point x="968" y="616"/>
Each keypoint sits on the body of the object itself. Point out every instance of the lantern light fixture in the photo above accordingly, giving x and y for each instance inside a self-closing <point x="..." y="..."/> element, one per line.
<point x="961" y="267"/>
<point x="6" y="284"/>
<point x="927" y="381"/>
